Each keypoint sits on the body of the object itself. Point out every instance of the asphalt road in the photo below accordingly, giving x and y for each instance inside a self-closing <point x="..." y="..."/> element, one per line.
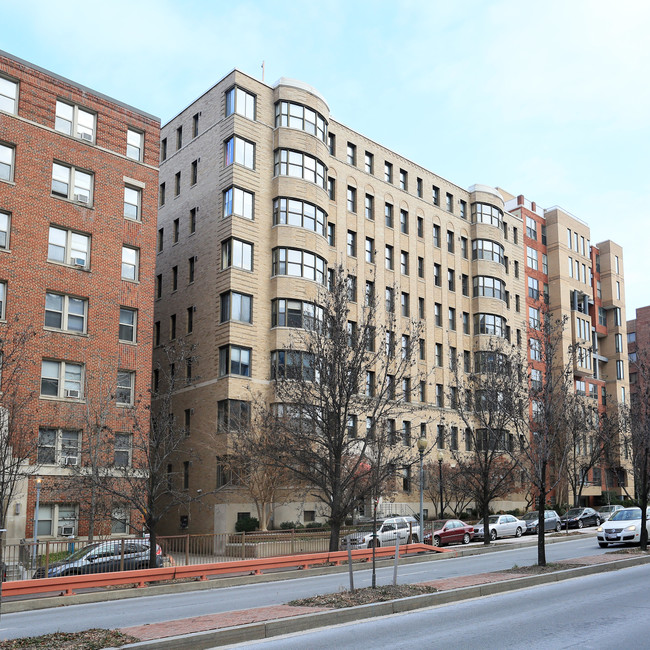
<point x="606" y="610"/>
<point x="152" y="609"/>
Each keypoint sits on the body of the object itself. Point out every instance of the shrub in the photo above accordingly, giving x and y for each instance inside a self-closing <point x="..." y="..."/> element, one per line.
<point x="247" y="524"/>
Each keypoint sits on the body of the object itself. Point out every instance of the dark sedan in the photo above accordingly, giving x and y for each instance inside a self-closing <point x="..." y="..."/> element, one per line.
<point x="447" y="531"/>
<point x="580" y="517"/>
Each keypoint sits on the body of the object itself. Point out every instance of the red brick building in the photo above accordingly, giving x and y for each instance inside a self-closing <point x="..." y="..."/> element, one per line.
<point x="78" y="206"/>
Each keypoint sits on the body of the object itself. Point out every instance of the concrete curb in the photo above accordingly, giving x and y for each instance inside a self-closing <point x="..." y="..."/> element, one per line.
<point x="32" y="604"/>
<point x="256" y="631"/>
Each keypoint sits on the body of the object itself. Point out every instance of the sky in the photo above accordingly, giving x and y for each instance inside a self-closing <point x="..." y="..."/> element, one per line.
<point x="547" y="99"/>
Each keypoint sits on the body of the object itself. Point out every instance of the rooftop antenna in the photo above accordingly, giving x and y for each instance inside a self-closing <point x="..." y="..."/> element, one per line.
<point x="262" y="71"/>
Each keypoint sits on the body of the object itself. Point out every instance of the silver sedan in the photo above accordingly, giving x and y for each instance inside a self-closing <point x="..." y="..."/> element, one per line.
<point x="501" y="526"/>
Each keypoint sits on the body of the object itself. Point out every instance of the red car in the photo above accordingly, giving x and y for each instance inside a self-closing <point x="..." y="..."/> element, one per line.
<point x="446" y="531"/>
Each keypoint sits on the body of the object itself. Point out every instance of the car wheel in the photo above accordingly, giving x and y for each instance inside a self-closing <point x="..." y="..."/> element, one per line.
<point x="518" y="532"/>
<point x="436" y="541"/>
<point x="580" y="524"/>
<point x="466" y="539"/>
<point x="558" y="527"/>
<point x="603" y="544"/>
<point x="493" y="534"/>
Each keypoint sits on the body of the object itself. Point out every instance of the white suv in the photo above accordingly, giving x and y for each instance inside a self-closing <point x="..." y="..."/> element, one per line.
<point x="387" y="531"/>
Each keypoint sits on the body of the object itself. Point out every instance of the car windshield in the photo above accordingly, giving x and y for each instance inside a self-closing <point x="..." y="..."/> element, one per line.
<point x="81" y="552"/>
<point x="439" y="523"/>
<point x="574" y="512"/>
<point x="626" y="515"/>
<point x="494" y="519"/>
<point x="530" y="516"/>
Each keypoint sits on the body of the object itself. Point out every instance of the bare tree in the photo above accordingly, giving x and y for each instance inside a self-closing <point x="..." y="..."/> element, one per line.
<point x="339" y="387"/>
<point x="488" y="402"/>
<point x="447" y="479"/>
<point x="18" y="438"/>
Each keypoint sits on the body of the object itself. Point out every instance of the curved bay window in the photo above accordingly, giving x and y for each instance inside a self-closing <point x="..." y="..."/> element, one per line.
<point x="292" y="364"/>
<point x="486" y="213"/>
<point x="490" y="324"/>
<point x="485" y="249"/>
<point x="295" y="313"/>
<point x="299" y="165"/>
<point x="489" y="287"/>
<point x="299" y="264"/>
<point x="297" y="116"/>
<point x="293" y="212"/>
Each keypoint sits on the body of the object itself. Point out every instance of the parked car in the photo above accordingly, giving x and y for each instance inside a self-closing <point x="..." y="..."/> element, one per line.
<point x="387" y="531"/>
<point x="624" y="526"/>
<point x="501" y="526"/>
<point x="101" y="557"/>
<point x="447" y="531"/>
<point x="580" y="517"/>
<point x="551" y="521"/>
<point x="605" y="512"/>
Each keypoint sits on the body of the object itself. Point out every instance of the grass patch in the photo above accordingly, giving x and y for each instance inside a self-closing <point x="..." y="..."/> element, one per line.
<point x="363" y="596"/>
<point x="94" y="639"/>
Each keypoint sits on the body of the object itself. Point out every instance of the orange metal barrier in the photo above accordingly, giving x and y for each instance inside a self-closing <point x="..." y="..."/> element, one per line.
<point x="66" y="585"/>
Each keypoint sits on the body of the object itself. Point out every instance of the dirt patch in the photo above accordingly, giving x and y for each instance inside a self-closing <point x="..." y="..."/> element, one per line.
<point x="364" y="596"/>
<point x="629" y="550"/>
<point x="88" y="640"/>
<point x="536" y="570"/>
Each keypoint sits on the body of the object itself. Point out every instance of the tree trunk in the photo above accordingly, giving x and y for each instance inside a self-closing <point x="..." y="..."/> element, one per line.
<point x="541" y="547"/>
<point x="152" y="545"/>
<point x="644" y="500"/>
<point x="335" y="532"/>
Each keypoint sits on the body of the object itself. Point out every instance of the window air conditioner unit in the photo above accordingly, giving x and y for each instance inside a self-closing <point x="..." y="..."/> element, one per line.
<point x="79" y="261"/>
<point x="66" y="531"/>
<point x="71" y="393"/>
<point x="81" y="198"/>
<point x="85" y="136"/>
<point x="71" y="460"/>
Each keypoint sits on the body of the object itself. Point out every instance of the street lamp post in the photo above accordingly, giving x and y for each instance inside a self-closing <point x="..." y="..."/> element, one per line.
<point x="442" y="508"/>
<point x="422" y="445"/>
<point x="38" y="500"/>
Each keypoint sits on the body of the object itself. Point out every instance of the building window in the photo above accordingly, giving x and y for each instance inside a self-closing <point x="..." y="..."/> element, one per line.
<point x="130" y="263"/>
<point x="177" y="184"/>
<point x="194" y="172"/>
<point x="299" y="165"/>
<point x="389" y="258"/>
<point x="370" y="250"/>
<point x="388" y="172"/>
<point x="292" y="364"/>
<point x="535" y="348"/>
<point x="3" y="300"/>
<point x="435" y="195"/>
<point x="331" y="189"/>
<point x="370" y="207"/>
<point x="191" y="265"/>
<point x="465" y="284"/>
<point x="451" y="280"/>
<point x="465" y="322"/>
<point x="128" y="324"/>
<point x="234" y="360"/>
<point x="404" y="262"/>
<point x="236" y="307"/>
<point x="484" y="249"/>
<point x="463" y="210"/>
<point x="490" y="324"/>
<point x="159" y="285"/>
<point x="65" y="313"/>
<point x="5" y="226"/>
<point x="125" y="387"/>
<point x="534" y="318"/>
<point x="295" y="313"/>
<point x="370" y="293"/>
<point x="489" y="287"/>
<point x="405" y="303"/>
<point x="241" y="102"/>
<point x="421" y="267"/>
<point x="239" y="151"/>
<point x="331" y="234"/>
<point x="485" y="213"/>
<point x="351" y="154"/>
<point x="195" y="124"/>
<point x="369" y="163"/>
<point x="403" y="180"/>
<point x="232" y="415"/>
<point x="132" y="203"/>
<point x="620" y="370"/>
<point x="297" y="116"/>
<point x="59" y="517"/>
<point x="452" y="319"/>
<point x="388" y="215"/>
<point x="238" y="202"/>
<point x="134" y="144"/>
<point x="190" y="319"/>
<point x="172" y="327"/>
<point x="70" y="183"/>
<point x="436" y="235"/>
<point x="174" y="278"/>
<point x="298" y="263"/>
<point x="437" y="275"/>
<point x="237" y="254"/>
<point x="163" y="149"/>
<point x="6" y="163"/>
<point x="59" y="446"/>
<point x="122" y="450"/>
<point x="161" y="194"/>
<point x="193" y="220"/>
<point x="450" y="202"/>
<point x="75" y="121"/>
<point x="450" y="241"/>
<point x="390" y="300"/>
<point x="352" y="199"/>
<point x="437" y="314"/>
<point x="8" y="95"/>
<point x="61" y="379"/>
<point x="531" y="229"/>
<point x="440" y="397"/>
<point x="331" y="144"/>
<point x="404" y="221"/>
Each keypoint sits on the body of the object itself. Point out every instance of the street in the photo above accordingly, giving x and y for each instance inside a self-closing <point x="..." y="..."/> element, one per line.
<point x="150" y="609"/>
<point x="606" y="610"/>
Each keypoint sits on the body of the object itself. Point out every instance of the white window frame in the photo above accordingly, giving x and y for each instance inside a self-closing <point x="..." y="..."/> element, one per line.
<point x="240" y="101"/>
<point x="134" y="144"/>
<point x="233" y="307"/>
<point x="238" y="202"/>
<point x="125" y="387"/>
<point x="72" y="123"/>
<point x="132" y="203"/>
<point x="63" y="452"/>
<point x="227" y="359"/>
<point x="239" y="151"/>
<point x="300" y="214"/>
<point x="236" y="253"/>
<point x="296" y="116"/>
<point x="128" y="263"/>
<point x="68" y="386"/>
<point x="9" y="99"/>
<point x="120" y="520"/>
<point x="72" y="248"/>
<point x="3" y="300"/>
<point x="77" y="183"/>
<point x="67" y="312"/>
<point x="7" y="162"/>
<point x="54" y="514"/>
<point x="532" y="258"/>
<point x="5" y="229"/>
<point x="296" y="164"/>
<point x="123" y="444"/>
<point x="125" y="324"/>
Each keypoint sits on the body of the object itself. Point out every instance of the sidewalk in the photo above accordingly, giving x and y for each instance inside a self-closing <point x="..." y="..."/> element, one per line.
<point x="262" y="622"/>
